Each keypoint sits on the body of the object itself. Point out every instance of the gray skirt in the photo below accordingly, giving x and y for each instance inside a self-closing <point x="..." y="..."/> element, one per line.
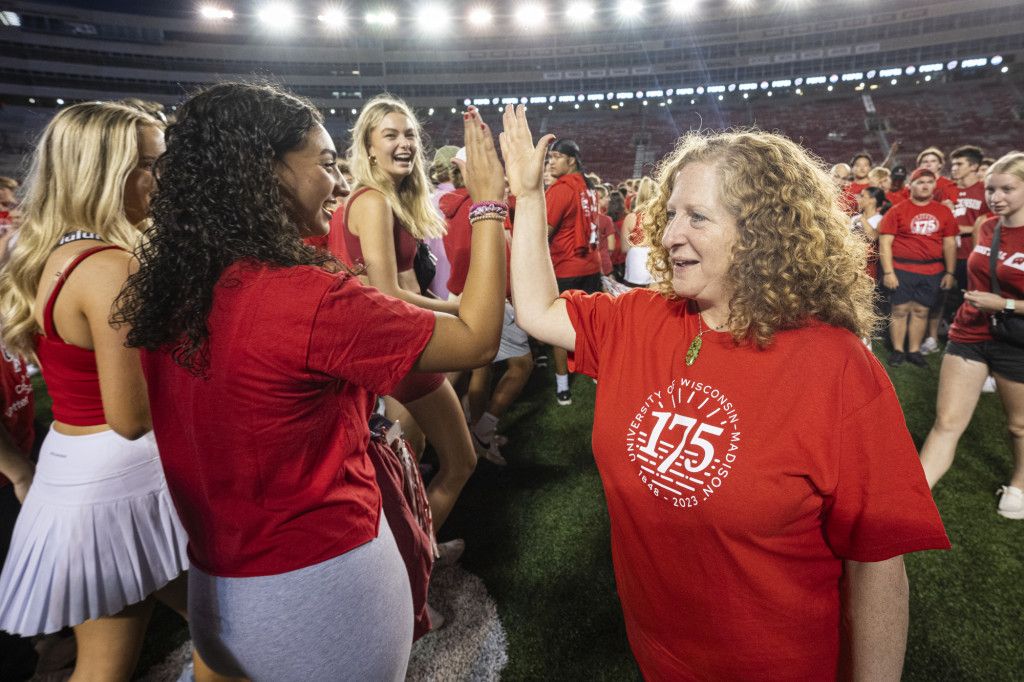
<point x="347" y="618"/>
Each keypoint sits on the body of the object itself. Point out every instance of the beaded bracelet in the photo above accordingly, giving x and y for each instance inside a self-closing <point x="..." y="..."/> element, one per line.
<point x="474" y="219"/>
<point x="487" y="208"/>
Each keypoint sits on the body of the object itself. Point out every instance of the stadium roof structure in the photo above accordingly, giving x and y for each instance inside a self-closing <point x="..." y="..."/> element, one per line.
<point x="615" y="55"/>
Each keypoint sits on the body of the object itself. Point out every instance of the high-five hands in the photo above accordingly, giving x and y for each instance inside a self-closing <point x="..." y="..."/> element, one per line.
<point x="485" y="178"/>
<point x="524" y="162"/>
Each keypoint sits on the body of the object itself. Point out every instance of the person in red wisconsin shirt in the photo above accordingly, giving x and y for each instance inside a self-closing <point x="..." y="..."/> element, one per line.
<point x="744" y="496"/>
<point x="573" y="236"/>
<point x="933" y="159"/>
<point x="966" y="198"/>
<point x="917" y="251"/>
<point x="972" y="353"/>
<point x="263" y="373"/>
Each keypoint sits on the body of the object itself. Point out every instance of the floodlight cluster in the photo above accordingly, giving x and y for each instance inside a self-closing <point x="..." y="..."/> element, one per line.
<point x="278" y="16"/>
<point x="859" y="80"/>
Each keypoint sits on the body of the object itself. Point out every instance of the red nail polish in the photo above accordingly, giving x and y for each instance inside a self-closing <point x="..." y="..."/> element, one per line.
<point x="483" y="127"/>
<point x="465" y="116"/>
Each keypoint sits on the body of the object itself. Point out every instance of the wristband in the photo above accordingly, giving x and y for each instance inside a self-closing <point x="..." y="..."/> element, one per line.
<point x="474" y="219"/>
<point x="950" y="273"/>
<point x="889" y="273"/>
<point x="488" y="208"/>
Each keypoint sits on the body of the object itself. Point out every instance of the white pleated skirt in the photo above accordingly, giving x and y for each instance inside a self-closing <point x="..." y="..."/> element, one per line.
<point x="97" y="532"/>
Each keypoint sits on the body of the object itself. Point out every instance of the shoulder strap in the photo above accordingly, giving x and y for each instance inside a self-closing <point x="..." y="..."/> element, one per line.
<point x="62" y="275"/>
<point x="993" y="258"/>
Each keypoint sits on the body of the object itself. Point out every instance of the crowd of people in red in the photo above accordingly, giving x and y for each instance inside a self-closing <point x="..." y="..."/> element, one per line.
<point x="229" y="315"/>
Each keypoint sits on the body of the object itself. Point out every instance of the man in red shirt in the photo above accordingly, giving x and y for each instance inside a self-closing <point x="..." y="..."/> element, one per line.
<point x="966" y="198"/>
<point x="933" y="159"/>
<point x="572" y="238"/>
<point x="917" y="250"/>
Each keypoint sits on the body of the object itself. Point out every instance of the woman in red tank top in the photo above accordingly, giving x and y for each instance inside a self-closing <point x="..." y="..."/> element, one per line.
<point x="73" y="560"/>
<point x="388" y="211"/>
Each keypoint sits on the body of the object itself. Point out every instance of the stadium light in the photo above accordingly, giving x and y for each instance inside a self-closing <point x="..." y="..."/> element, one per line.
<point x="530" y="15"/>
<point x="481" y="16"/>
<point x="209" y="12"/>
<point x="277" y="16"/>
<point x="580" y="11"/>
<point x="1004" y="69"/>
<point x="682" y="7"/>
<point x="332" y="18"/>
<point x="630" y="9"/>
<point x="432" y="17"/>
<point x="60" y="101"/>
<point x="383" y="17"/>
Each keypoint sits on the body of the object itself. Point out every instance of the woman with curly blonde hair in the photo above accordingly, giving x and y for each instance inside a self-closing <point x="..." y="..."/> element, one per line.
<point x="753" y="452"/>
<point x="388" y="213"/>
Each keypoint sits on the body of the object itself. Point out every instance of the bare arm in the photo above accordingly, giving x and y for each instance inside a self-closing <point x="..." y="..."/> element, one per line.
<point x="628" y="223"/>
<point x="471" y="339"/>
<point x="95" y="284"/>
<point x="370" y="218"/>
<point x="15" y="465"/>
<point x="889" y="278"/>
<point x="539" y="310"/>
<point x="878" y="604"/>
<point x="887" y="164"/>
<point x="949" y="256"/>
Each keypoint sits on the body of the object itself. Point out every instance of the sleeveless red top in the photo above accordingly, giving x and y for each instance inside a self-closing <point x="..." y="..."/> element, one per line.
<point x="70" y="371"/>
<point x="405" y="243"/>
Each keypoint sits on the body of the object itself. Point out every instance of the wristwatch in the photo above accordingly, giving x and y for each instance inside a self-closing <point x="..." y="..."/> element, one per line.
<point x="1011" y="305"/>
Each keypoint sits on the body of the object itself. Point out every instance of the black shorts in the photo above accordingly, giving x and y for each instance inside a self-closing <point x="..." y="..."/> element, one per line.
<point x="1003" y="359"/>
<point x="916" y="288"/>
<point x="590" y="284"/>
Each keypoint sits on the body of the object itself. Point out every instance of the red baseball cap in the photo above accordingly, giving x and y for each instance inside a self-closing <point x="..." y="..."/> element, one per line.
<point x="919" y="172"/>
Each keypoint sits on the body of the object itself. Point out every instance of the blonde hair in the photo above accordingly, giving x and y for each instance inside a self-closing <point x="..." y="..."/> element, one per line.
<point x="795" y="258"/>
<point x="1011" y="164"/>
<point x="76" y="182"/>
<point x="931" y="150"/>
<point x="410" y="201"/>
<point x="644" y="193"/>
<point x="877" y="174"/>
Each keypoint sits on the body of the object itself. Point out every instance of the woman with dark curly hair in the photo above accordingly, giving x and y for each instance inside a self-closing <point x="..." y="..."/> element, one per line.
<point x="753" y="452"/>
<point x="262" y="360"/>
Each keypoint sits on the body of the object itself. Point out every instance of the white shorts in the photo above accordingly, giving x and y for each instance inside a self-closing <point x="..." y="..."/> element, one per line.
<point x="97" y="532"/>
<point x="514" y="341"/>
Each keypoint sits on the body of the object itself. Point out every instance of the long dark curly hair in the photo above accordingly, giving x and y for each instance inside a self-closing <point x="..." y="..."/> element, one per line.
<point x="218" y="201"/>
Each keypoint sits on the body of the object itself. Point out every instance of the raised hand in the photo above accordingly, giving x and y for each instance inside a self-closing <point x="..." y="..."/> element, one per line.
<point x="524" y="162"/>
<point x="485" y="178"/>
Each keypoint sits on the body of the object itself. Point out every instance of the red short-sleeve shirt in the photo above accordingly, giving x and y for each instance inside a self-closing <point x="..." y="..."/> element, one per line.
<point x="971" y="325"/>
<point x="266" y="456"/>
<point x="736" y="487"/>
<point x="563" y="205"/>
<point x="919" y="232"/>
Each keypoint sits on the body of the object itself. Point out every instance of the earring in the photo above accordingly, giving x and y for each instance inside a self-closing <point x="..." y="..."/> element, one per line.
<point x="373" y="160"/>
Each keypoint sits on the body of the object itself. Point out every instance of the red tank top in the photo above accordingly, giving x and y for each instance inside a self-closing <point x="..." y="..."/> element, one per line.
<point x="405" y="243"/>
<point x="70" y="371"/>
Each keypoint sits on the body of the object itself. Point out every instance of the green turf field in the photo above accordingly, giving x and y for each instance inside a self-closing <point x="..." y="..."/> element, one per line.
<point x="537" y="533"/>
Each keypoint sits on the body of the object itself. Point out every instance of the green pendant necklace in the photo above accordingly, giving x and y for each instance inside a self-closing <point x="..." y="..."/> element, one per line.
<point x="694" y="350"/>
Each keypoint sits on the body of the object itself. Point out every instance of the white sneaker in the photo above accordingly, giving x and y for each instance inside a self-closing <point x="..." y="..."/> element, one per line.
<point x="929" y="346"/>
<point x="990" y="384"/>
<point x="488" y="449"/>
<point x="449" y="552"/>
<point x="1011" y="502"/>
